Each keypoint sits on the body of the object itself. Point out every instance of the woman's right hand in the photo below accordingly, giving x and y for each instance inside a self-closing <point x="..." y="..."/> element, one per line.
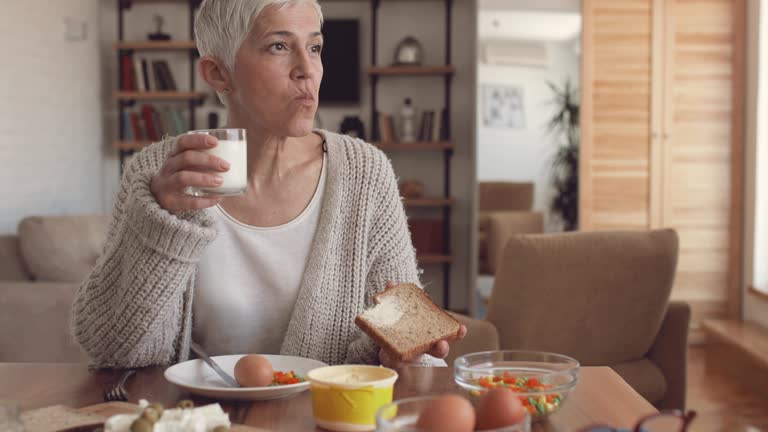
<point x="188" y="165"/>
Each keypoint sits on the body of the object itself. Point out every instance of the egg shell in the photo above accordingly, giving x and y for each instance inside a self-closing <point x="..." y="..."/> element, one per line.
<point x="253" y="370"/>
<point x="499" y="408"/>
<point x="450" y="413"/>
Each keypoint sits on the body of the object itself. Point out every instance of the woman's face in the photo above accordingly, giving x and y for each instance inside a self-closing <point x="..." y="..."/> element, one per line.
<point x="277" y="73"/>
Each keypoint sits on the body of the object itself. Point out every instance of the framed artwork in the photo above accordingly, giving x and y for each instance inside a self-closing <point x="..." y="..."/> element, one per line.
<point x="503" y="106"/>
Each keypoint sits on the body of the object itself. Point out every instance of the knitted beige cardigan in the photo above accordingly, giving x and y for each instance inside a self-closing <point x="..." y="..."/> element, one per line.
<point x="135" y="307"/>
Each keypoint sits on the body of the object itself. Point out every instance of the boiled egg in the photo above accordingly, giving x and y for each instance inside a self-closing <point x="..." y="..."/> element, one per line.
<point x="450" y="413"/>
<point x="253" y="370"/>
<point x="499" y="408"/>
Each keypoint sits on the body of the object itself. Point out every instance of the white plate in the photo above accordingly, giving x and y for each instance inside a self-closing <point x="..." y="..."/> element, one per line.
<point x="197" y="377"/>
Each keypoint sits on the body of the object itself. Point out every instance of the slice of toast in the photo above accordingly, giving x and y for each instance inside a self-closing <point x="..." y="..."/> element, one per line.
<point x="406" y="322"/>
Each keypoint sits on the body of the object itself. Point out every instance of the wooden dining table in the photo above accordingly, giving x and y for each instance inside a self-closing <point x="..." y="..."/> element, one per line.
<point x="600" y="397"/>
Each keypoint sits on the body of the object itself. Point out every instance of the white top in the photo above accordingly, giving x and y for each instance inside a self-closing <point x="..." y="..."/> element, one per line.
<point x="248" y="280"/>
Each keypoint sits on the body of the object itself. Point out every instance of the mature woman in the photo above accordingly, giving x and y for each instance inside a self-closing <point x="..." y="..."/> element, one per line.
<point x="285" y="267"/>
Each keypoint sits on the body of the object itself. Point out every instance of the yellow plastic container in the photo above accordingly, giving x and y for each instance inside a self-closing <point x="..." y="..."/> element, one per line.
<point x="345" y="398"/>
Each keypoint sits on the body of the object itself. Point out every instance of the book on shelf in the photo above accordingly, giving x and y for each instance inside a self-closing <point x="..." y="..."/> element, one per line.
<point x="151" y="82"/>
<point x="386" y="128"/>
<point x="150" y="123"/>
<point x="126" y="126"/>
<point x="434" y="126"/>
<point x="139" y="134"/>
<point x="178" y="121"/>
<point x="163" y="75"/>
<point x="127" y="72"/>
<point x="427" y="122"/>
<point x="145" y="74"/>
<point x="140" y="74"/>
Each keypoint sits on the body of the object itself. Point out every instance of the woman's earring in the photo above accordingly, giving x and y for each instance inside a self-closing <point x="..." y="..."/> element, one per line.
<point x="226" y="91"/>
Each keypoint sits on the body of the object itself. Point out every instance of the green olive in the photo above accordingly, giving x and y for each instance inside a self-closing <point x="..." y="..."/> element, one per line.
<point x="158" y="407"/>
<point x="150" y="414"/>
<point x="186" y="404"/>
<point x="221" y="429"/>
<point x="141" y="425"/>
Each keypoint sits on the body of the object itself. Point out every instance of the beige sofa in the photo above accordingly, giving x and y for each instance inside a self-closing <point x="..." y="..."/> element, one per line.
<point x="42" y="266"/>
<point x="40" y="269"/>
<point x="504" y="210"/>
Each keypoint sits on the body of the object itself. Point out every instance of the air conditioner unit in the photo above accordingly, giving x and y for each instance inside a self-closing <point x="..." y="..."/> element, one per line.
<point x="515" y="53"/>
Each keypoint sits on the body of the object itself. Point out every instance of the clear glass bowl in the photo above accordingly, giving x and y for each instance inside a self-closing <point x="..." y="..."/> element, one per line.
<point x="542" y="380"/>
<point x="402" y="415"/>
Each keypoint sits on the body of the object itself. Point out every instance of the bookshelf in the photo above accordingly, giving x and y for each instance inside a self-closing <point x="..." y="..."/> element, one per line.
<point x="425" y="259"/>
<point x="411" y="70"/>
<point x="125" y="99"/>
<point x="157" y="95"/>
<point x="428" y="202"/>
<point x="442" y="148"/>
<point x="415" y="146"/>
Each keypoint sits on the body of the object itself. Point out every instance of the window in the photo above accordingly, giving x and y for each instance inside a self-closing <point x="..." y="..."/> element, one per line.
<point x="760" y="261"/>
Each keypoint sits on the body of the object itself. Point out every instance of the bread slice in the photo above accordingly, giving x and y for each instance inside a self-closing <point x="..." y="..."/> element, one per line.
<point x="406" y="322"/>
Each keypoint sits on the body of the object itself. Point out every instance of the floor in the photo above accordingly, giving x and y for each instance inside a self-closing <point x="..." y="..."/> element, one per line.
<point x="722" y="405"/>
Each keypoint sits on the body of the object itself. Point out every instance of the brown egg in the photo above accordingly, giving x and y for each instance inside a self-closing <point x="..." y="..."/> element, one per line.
<point x="253" y="370"/>
<point x="499" y="408"/>
<point x="449" y="413"/>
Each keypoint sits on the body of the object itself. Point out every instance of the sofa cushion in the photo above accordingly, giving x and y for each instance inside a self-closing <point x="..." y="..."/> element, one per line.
<point x="34" y="319"/>
<point x="645" y="377"/>
<point x="62" y="248"/>
<point x="11" y="266"/>
<point x="505" y="196"/>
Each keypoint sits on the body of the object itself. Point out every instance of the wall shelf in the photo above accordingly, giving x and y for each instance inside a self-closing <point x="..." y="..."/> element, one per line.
<point x="158" y="95"/>
<point x="427" y="259"/>
<point x="155" y="45"/>
<point x="412" y="70"/>
<point x="416" y="146"/>
<point x="428" y="202"/>
<point x="130" y="145"/>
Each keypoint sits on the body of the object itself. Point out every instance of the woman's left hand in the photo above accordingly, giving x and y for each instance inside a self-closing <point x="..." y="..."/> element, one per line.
<point x="439" y="350"/>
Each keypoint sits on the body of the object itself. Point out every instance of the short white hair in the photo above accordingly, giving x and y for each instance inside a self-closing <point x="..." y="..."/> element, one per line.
<point x="221" y="26"/>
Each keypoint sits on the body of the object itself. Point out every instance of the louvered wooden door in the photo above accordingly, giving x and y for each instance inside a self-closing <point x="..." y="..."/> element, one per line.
<point x="616" y="114"/>
<point x="699" y="128"/>
<point x="661" y="134"/>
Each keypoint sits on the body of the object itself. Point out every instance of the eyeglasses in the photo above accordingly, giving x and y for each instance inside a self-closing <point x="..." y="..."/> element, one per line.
<point x="665" y="421"/>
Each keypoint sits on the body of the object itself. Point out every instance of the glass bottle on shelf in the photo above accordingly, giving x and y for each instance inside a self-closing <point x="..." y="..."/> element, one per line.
<point x="407" y="119"/>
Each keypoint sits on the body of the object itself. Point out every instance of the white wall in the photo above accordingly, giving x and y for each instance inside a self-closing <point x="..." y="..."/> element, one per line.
<point x="524" y="154"/>
<point x="50" y="127"/>
<point x="756" y="163"/>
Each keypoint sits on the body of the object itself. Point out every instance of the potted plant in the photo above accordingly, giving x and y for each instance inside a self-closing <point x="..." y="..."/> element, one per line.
<point x="564" y="126"/>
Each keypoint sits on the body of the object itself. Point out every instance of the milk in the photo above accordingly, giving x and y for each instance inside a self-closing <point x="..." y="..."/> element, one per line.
<point x="234" y="152"/>
<point x="236" y="179"/>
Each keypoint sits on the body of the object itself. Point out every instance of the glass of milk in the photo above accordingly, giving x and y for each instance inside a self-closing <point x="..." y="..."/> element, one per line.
<point x="232" y="148"/>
